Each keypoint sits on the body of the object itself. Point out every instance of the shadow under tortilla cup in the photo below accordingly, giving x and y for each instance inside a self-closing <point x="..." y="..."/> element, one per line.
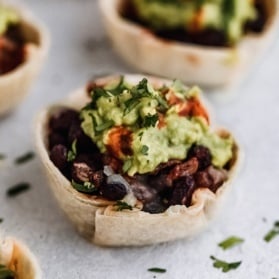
<point x="15" y="85"/>
<point x="194" y="64"/>
<point x="96" y="218"/>
<point x="18" y="258"/>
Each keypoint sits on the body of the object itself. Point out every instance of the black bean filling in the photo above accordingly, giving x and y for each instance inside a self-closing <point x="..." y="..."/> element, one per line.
<point x="171" y="183"/>
<point x="11" y="49"/>
<point x="207" y="37"/>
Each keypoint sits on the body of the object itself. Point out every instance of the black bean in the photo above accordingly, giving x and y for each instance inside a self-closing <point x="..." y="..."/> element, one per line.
<point x="182" y="192"/>
<point x="113" y="191"/>
<point x="97" y="178"/>
<point x="62" y="120"/>
<point x="203" y="179"/>
<point x="154" y="207"/>
<point x="84" y="143"/>
<point x="82" y="172"/>
<point x="218" y="177"/>
<point x="94" y="160"/>
<point x="202" y="154"/>
<point x="58" y="155"/>
<point x="55" y="139"/>
<point x="143" y="192"/>
<point x="184" y="169"/>
<point x="159" y="182"/>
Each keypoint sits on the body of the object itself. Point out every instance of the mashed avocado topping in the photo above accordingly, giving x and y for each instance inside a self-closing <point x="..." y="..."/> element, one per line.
<point x="7" y="17"/>
<point x="228" y="16"/>
<point x="145" y="126"/>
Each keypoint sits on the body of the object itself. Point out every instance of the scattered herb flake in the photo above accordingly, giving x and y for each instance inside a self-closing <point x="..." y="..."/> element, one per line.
<point x="119" y="88"/>
<point x="273" y="232"/>
<point x="144" y="150"/>
<point x="28" y="156"/>
<point x="270" y="235"/>
<point x="86" y="187"/>
<point x="230" y="242"/>
<point x="122" y="206"/>
<point x="72" y="154"/>
<point x="127" y="165"/>
<point x="5" y="273"/>
<point x="226" y="267"/>
<point x="18" y="189"/>
<point x="2" y="156"/>
<point x="157" y="270"/>
<point x="140" y="135"/>
<point x="150" y="120"/>
<point x="104" y="126"/>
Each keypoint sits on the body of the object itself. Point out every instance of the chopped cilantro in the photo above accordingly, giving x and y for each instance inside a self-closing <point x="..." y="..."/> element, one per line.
<point x="157" y="270"/>
<point x="230" y="242"/>
<point x="119" y="88"/>
<point x="226" y="267"/>
<point x="104" y="126"/>
<point x="122" y="206"/>
<point x="71" y="155"/>
<point x="25" y="157"/>
<point x="144" y="150"/>
<point x="86" y="187"/>
<point x="150" y="120"/>
<point x="273" y="232"/>
<point x="127" y="164"/>
<point x="18" y="189"/>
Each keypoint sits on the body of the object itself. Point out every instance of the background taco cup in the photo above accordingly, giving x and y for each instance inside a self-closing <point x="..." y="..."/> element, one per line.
<point x="15" y="85"/>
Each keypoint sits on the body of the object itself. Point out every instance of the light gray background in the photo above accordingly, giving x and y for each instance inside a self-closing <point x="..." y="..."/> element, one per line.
<point x="79" y="51"/>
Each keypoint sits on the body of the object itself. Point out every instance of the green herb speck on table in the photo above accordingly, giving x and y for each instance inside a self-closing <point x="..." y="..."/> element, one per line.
<point x="18" y="189"/>
<point x="230" y="242"/>
<point x="28" y="156"/>
<point x="225" y="266"/>
<point x="272" y="233"/>
<point x="2" y="156"/>
<point x="157" y="270"/>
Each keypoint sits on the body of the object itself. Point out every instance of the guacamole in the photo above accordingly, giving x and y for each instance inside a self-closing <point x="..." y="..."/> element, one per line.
<point x="7" y="17"/>
<point x="228" y="16"/>
<point x="145" y="126"/>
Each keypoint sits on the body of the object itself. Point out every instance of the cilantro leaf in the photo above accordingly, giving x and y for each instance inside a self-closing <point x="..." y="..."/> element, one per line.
<point x="150" y="120"/>
<point x="18" y="189"/>
<point x="119" y="88"/>
<point x="86" y="187"/>
<point x="71" y="155"/>
<point x="157" y="270"/>
<point x="144" y="150"/>
<point x="273" y="232"/>
<point x="122" y="206"/>
<point x="230" y="242"/>
<point x="271" y="235"/>
<point x="225" y="266"/>
<point x="104" y="126"/>
<point x="25" y="157"/>
<point x="127" y="165"/>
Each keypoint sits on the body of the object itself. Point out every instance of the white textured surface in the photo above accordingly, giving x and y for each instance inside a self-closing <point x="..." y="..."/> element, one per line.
<point x="79" y="51"/>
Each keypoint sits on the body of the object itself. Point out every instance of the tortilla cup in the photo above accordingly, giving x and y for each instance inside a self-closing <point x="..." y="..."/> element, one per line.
<point x="96" y="218"/>
<point x="207" y="66"/>
<point x="17" y="257"/>
<point x="15" y="84"/>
